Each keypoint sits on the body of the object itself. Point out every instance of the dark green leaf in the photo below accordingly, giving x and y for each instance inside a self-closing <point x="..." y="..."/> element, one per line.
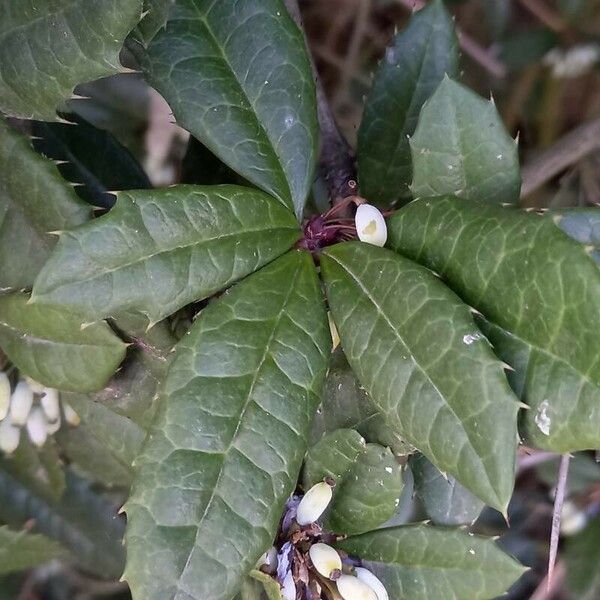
<point x="582" y="558"/>
<point x="48" y="47"/>
<point x="20" y="550"/>
<point x="345" y="404"/>
<point x="410" y="72"/>
<point x="94" y="158"/>
<point x="445" y="500"/>
<point x="104" y="445"/>
<point x="237" y="76"/>
<point x="541" y="293"/>
<point x="156" y="14"/>
<point x="27" y="183"/>
<point x="84" y="522"/>
<point x="421" y="562"/>
<point x="583" y="225"/>
<point x="368" y="480"/>
<point x="201" y="167"/>
<point x="39" y="469"/>
<point x="230" y="435"/>
<point x="158" y="250"/>
<point x="50" y="345"/>
<point x="404" y="335"/>
<point x="461" y="147"/>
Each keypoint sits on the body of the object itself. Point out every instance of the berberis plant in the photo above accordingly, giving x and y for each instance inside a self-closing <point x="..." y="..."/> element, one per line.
<point x="260" y="459"/>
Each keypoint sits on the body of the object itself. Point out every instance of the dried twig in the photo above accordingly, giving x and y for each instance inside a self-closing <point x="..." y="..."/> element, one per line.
<point x="337" y="161"/>
<point x="564" y="153"/>
<point x="559" y="498"/>
<point x="482" y="56"/>
<point x="546" y="589"/>
<point x="545" y="14"/>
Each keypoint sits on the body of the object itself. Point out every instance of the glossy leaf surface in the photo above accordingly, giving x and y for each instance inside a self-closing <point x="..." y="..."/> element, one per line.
<point x="421" y="562"/>
<point x="411" y="70"/>
<point x="237" y="76"/>
<point x="461" y="147"/>
<point x="368" y="480"/>
<point x="445" y="500"/>
<point x="228" y="442"/>
<point x="159" y="250"/>
<point x="47" y="47"/>
<point x="27" y="181"/>
<point x="404" y="335"/>
<point x="50" y="346"/>
<point x="540" y="292"/>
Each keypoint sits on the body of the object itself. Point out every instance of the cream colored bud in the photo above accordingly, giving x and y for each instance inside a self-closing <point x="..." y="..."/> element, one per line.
<point x="268" y="559"/>
<point x="35" y="386"/>
<point x="52" y="426"/>
<point x="572" y="519"/>
<point x="314" y="503"/>
<point x="352" y="588"/>
<point x="36" y="427"/>
<point x="20" y="403"/>
<point x="288" y="589"/>
<point x="370" y="225"/>
<point x="4" y="394"/>
<point x="373" y="582"/>
<point x="50" y="404"/>
<point x="9" y="436"/>
<point x="71" y="417"/>
<point x="325" y="559"/>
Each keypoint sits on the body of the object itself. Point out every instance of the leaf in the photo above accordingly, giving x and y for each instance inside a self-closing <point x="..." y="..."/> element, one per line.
<point x="48" y="47"/>
<point x="237" y="76"/>
<point x="582" y="557"/>
<point x="48" y="344"/>
<point x="93" y="158"/>
<point x="461" y="147"/>
<point x="409" y="73"/>
<point x="271" y="587"/>
<point x="104" y="445"/>
<point x="421" y="562"/>
<point x="84" y="522"/>
<point x="345" y="404"/>
<point x="20" y="550"/>
<point x="228" y="442"/>
<point x="583" y="225"/>
<point x="403" y="333"/>
<point x="156" y="13"/>
<point x="445" y="500"/>
<point x="368" y="480"/>
<point x="27" y="181"/>
<point x="158" y="250"/>
<point x="40" y="469"/>
<point x="540" y="292"/>
<point x="201" y="167"/>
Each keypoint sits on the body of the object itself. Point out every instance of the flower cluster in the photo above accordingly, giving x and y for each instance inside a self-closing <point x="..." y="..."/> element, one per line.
<point x="307" y="567"/>
<point x="32" y="406"/>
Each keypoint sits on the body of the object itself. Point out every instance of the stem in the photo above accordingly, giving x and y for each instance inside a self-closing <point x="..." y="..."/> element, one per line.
<point x="559" y="498"/>
<point x="564" y="153"/>
<point x="337" y="161"/>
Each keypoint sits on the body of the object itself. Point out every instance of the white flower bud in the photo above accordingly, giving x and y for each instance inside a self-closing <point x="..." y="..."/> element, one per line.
<point x="288" y="589"/>
<point x="4" y="395"/>
<point x="314" y="503"/>
<point x="375" y="584"/>
<point x="36" y="427"/>
<point x="370" y="225"/>
<point x="268" y="559"/>
<point x="36" y="387"/>
<point x="9" y="436"/>
<point x="20" y="403"/>
<point x="49" y="402"/>
<point x="352" y="588"/>
<point x="71" y="417"/>
<point x="52" y="426"/>
<point x="325" y="559"/>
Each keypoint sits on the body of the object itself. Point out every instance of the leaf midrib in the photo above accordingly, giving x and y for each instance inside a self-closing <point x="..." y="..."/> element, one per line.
<point x="418" y="365"/>
<point x="230" y="445"/>
<point x="142" y="259"/>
